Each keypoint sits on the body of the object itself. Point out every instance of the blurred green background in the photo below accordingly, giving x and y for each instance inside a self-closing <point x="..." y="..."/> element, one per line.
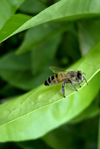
<point x="24" y="65"/>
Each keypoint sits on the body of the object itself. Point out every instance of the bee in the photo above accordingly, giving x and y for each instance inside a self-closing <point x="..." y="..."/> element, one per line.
<point x="70" y="76"/>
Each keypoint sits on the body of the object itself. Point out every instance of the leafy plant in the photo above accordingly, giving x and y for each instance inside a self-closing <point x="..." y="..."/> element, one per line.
<point x="58" y="35"/>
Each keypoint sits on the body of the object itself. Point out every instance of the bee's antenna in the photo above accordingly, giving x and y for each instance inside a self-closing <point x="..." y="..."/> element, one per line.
<point x="85" y="80"/>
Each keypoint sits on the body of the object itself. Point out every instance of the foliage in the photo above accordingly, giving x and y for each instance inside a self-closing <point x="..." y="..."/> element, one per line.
<point x="58" y="35"/>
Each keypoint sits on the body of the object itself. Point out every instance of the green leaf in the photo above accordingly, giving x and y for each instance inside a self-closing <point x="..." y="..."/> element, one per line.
<point x="14" y="67"/>
<point x="69" y="136"/>
<point x="13" y="62"/>
<point x="22" y="112"/>
<point x="20" y="70"/>
<point x="44" y="108"/>
<point x="70" y="51"/>
<point x="90" y="112"/>
<point x="63" y="10"/>
<point x="38" y="35"/>
<point x="32" y="6"/>
<point x="47" y="50"/>
<point x="89" y="35"/>
<point x="7" y="9"/>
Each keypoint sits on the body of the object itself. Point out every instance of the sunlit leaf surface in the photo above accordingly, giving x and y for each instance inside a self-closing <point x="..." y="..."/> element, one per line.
<point x="46" y="105"/>
<point x="62" y="10"/>
<point x="7" y="9"/>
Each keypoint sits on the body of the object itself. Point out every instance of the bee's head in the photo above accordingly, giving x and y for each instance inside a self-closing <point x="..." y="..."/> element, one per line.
<point x="79" y="75"/>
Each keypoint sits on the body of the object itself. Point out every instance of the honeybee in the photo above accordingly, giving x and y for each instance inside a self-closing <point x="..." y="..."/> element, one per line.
<point x="70" y="76"/>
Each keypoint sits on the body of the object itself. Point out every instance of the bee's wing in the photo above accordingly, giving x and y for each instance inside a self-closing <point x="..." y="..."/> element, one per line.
<point x="57" y="69"/>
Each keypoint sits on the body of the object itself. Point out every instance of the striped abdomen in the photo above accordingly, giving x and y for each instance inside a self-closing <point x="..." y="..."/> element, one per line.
<point x="55" y="79"/>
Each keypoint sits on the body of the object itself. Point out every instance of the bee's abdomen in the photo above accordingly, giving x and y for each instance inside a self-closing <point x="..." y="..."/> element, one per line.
<point x="49" y="80"/>
<point x="55" y="79"/>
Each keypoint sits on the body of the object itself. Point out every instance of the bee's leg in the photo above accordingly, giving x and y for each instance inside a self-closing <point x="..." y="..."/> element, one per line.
<point x="63" y="90"/>
<point x="78" y="82"/>
<point x="72" y="84"/>
<point x="85" y="80"/>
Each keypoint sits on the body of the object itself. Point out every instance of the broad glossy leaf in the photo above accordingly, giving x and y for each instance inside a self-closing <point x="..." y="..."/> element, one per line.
<point x="38" y="35"/>
<point x="69" y="136"/>
<point x="24" y="79"/>
<point x="32" y="6"/>
<point x="29" y="123"/>
<point x="63" y="10"/>
<point x="45" y="53"/>
<point x="7" y="9"/>
<point x="12" y="62"/>
<point x="89" y="35"/>
<point x="70" y="51"/>
<point x="20" y="70"/>
<point x="44" y="108"/>
<point x="17" y="20"/>
<point x="90" y="112"/>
